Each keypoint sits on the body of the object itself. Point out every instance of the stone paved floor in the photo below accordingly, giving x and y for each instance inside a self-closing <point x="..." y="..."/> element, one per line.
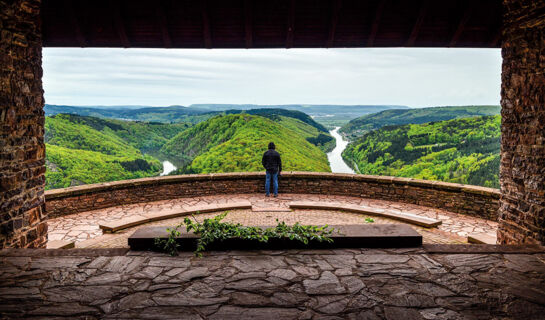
<point x="83" y="227"/>
<point x="420" y="283"/>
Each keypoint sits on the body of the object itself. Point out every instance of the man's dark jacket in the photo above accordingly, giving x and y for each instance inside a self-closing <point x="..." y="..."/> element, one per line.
<point x="271" y="161"/>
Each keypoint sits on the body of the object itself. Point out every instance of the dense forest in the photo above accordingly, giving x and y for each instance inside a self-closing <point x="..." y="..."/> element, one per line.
<point x="461" y="150"/>
<point x="361" y="125"/>
<point x="297" y="121"/>
<point x="236" y="142"/>
<point x="83" y="149"/>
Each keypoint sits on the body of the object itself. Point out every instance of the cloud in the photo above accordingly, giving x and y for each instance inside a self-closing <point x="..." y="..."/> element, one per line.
<point x="159" y="77"/>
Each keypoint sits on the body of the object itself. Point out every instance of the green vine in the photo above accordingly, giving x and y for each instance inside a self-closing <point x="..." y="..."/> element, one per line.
<point x="212" y="230"/>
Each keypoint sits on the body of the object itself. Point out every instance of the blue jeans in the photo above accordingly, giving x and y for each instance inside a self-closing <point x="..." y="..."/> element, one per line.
<point x="274" y="177"/>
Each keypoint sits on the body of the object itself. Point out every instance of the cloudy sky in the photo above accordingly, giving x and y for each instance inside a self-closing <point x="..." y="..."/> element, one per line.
<point x="159" y="77"/>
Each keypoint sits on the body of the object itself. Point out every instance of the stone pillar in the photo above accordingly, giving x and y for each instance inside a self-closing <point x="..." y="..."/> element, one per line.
<point x="522" y="173"/>
<point x="22" y="149"/>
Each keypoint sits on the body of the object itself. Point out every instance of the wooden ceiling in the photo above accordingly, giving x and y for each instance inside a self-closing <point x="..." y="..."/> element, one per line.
<point x="271" y="23"/>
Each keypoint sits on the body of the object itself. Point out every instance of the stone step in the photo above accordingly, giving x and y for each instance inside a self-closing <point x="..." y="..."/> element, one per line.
<point x="344" y="236"/>
<point x="60" y="244"/>
<point x="481" y="238"/>
<point x="405" y="217"/>
<point x="135" y="220"/>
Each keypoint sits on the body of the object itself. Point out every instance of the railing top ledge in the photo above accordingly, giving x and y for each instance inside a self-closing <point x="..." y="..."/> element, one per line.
<point x="127" y="184"/>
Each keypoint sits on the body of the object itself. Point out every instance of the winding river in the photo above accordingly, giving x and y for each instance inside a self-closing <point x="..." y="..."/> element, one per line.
<point x="168" y="167"/>
<point x="336" y="161"/>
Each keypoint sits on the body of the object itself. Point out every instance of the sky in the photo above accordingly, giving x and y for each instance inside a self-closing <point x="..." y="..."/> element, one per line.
<point x="413" y="77"/>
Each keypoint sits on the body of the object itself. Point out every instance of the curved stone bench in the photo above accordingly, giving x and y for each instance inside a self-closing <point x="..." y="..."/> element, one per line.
<point x="409" y="218"/>
<point x="470" y="200"/>
<point x="481" y="238"/>
<point x="116" y="225"/>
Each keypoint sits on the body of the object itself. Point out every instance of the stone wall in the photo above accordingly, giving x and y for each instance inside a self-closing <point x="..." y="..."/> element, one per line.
<point x="522" y="172"/>
<point x="22" y="152"/>
<point x="470" y="200"/>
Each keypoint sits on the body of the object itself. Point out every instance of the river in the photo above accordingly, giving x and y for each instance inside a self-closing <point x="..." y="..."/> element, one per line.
<point x="168" y="167"/>
<point x="336" y="161"/>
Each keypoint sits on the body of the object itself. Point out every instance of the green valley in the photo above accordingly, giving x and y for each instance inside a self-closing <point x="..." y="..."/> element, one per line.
<point x="84" y="149"/>
<point x="460" y="150"/>
<point x="455" y="144"/>
<point x="236" y="142"/>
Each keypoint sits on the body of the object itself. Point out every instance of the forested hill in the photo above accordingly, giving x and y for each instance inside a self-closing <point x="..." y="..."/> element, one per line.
<point x="148" y="137"/>
<point x="306" y="108"/>
<point x="297" y="121"/>
<point x="275" y="113"/>
<point x="171" y="114"/>
<point x="82" y="150"/>
<point x="331" y="115"/>
<point x="463" y="150"/>
<point x="236" y="142"/>
<point x="359" y="126"/>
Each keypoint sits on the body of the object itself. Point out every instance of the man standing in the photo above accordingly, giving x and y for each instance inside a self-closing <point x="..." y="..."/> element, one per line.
<point x="273" y="164"/>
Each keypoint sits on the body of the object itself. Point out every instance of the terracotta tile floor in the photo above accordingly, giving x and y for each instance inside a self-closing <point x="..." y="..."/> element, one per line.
<point x="83" y="227"/>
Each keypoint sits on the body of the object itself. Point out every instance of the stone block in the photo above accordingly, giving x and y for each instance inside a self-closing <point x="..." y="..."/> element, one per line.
<point x="60" y="244"/>
<point x="481" y="238"/>
<point x="344" y="236"/>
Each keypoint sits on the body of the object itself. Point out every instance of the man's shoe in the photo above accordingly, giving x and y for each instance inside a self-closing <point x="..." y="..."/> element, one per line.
<point x="276" y="196"/>
<point x="267" y="195"/>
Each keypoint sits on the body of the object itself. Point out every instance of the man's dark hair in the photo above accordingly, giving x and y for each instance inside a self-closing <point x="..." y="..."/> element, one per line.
<point x="271" y="145"/>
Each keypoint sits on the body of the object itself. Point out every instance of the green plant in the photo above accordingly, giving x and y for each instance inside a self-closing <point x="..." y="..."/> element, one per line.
<point x="212" y="230"/>
<point x="170" y="245"/>
<point x="369" y="220"/>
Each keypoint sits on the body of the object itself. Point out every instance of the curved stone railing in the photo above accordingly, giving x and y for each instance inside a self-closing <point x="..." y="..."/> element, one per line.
<point x="465" y="199"/>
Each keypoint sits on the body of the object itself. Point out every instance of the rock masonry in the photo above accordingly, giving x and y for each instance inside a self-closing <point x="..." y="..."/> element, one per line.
<point x="22" y="149"/>
<point x="522" y="170"/>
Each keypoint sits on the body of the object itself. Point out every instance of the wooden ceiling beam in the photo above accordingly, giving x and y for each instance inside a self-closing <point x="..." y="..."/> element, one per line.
<point x="248" y="30"/>
<point x="496" y="28"/>
<point x="291" y="24"/>
<point x="496" y="39"/>
<point x="163" y="24"/>
<point x="74" y="22"/>
<point x="376" y="23"/>
<point x="418" y="23"/>
<point x="334" y="20"/>
<point x="119" y="24"/>
<point x="462" y="24"/>
<point x="207" y="36"/>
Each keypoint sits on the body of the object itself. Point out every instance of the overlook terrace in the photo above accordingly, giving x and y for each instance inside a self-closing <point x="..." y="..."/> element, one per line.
<point x="498" y="281"/>
<point x="437" y="280"/>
